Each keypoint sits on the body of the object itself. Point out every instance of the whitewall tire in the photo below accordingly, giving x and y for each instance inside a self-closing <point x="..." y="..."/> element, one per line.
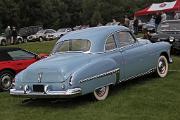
<point x="101" y="93"/>
<point x="162" y="67"/>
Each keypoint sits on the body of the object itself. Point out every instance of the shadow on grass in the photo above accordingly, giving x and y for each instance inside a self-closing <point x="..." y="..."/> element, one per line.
<point x="60" y="103"/>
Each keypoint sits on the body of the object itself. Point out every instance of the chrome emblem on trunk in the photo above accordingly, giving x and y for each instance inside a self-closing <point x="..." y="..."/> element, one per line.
<point x="40" y="77"/>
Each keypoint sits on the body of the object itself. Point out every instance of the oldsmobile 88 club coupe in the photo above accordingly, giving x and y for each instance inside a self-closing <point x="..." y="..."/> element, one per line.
<point x="89" y="61"/>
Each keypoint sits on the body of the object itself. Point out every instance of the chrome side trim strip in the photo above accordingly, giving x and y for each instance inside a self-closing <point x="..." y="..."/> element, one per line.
<point x="139" y="75"/>
<point x="100" y="75"/>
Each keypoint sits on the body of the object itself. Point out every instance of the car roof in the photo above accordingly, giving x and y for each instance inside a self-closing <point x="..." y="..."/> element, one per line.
<point x="96" y="35"/>
<point x="93" y="33"/>
<point x="5" y="49"/>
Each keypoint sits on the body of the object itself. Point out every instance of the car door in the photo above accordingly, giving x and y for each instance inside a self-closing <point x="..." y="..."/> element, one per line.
<point x="112" y="51"/>
<point x="21" y="59"/>
<point x="134" y="55"/>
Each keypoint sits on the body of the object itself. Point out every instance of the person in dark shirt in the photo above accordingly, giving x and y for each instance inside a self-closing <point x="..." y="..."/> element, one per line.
<point x="157" y="20"/>
<point x="135" y="25"/>
<point x="14" y="35"/>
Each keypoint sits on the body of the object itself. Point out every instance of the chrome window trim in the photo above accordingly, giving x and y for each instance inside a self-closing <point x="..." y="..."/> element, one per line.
<point x="130" y="44"/>
<point x="89" y="51"/>
<point x="112" y="34"/>
<point x="142" y="74"/>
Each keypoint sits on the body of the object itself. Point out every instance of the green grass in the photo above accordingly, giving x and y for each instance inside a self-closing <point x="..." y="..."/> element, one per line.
<point x="146" y="98"/>
<point x="37" y="47"/>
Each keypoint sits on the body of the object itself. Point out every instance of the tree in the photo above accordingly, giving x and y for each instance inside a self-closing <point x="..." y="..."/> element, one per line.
<point x="66" y="13"/>
<point x="96" y="18"/>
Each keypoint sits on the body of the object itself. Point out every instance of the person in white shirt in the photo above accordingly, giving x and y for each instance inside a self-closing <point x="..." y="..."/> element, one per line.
<point x="163" y="17"/>
<point x="177" y="15"/>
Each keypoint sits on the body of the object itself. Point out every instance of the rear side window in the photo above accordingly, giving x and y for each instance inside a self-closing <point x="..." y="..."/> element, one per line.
<point x="21" y="55"/>
<point x="4" y="56"/>
<point x="110" y="43"/>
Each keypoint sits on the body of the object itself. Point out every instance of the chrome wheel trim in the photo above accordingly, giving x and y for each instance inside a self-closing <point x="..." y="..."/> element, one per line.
<point x="3" y="43"/>
<point x="101" y="93"/>
<point x="19" y="41"/>
<point x="6" y="81"/>
<point x="162" y="67"/>
<point x="40" y="39"/>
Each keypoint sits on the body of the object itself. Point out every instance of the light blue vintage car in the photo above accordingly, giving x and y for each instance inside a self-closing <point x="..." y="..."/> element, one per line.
<point x="91" y="60"/>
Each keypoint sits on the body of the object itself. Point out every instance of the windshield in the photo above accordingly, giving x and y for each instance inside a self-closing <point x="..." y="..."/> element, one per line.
<point x="77" y="45"/>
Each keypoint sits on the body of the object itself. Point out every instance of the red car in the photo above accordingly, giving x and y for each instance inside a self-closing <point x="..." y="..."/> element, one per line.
<point x="12" y="61"/>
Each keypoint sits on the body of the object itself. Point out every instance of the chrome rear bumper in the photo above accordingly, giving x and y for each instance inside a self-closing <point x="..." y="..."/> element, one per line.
<point x="49" y="94"/>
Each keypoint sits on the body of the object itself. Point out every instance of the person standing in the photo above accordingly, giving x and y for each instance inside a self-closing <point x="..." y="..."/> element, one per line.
<point x="177" y="15"/>
<point x="135" y="25"/>
<point x="163" y="17"/>
<point x="8" y="34"/>
<point x="126" y="21"/>
<point x="157" y="20"/>
<point x="14" y="35"/>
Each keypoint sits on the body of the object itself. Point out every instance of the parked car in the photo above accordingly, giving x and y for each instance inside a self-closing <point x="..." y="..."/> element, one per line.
<point x="168" y="31"/>
<point x="140" y="26"/>
<point x="3" y="41"/>
<point x="113" y="23"/>
<point x="40" y="35"/>
<point x="58" y="34"/>
<point x="20" y="40"/>
<point x="77" y="28"/>
<point x="89" y="61"/>
<point x="27" y="31"/>
<point x="149" y="26"/>
<point x="12" y="61"/>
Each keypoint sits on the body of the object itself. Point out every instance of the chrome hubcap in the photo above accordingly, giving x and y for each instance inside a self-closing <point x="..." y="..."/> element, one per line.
<point x="6" y="81"/>
<point x="162" y="66"/>
<point x="40" y="39"/>
<point x="101" y="91"/>
<point x="3" y="43"/>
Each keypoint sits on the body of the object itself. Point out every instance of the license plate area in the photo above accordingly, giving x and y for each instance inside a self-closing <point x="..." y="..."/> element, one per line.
<point x="38" y="88"/>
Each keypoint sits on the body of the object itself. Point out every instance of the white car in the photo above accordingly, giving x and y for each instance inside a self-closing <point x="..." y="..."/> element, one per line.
<point x="150" y="26"/>
<point x="58" y="34"/>
<point x="3" y="40"/>
<point x="40" y="35"/>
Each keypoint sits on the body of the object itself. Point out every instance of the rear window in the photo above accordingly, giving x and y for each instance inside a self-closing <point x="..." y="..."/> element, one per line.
<point x="76" y="45"/>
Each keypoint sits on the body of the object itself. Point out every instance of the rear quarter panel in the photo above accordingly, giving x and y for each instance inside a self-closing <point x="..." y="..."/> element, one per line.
<point x="93" y="75"/>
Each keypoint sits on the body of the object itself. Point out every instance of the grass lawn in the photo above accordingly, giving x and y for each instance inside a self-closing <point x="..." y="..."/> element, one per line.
<point x="146" y="98"/>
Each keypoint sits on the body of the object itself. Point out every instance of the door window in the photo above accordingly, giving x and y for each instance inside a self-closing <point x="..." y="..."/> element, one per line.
<point x="125" y="38"/>
<point x="110" y="43"/>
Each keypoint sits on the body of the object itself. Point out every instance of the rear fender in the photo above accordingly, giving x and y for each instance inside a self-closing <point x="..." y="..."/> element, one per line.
<point x="95" y="75"/>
